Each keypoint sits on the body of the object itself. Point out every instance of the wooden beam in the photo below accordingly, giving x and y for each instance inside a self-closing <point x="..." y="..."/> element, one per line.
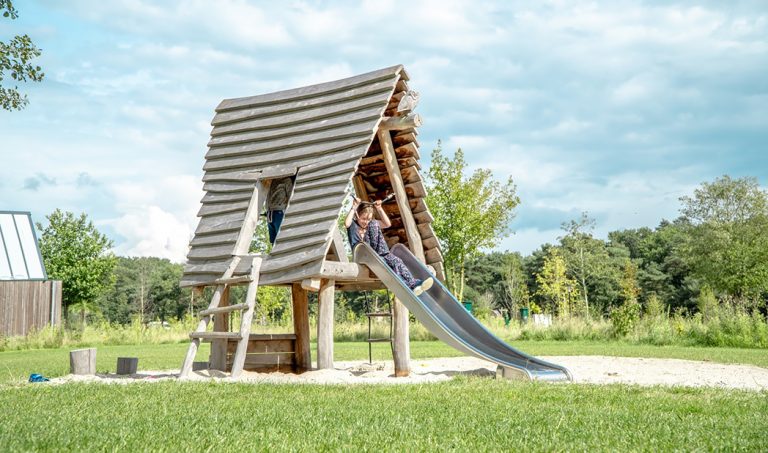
<point x="300" y="301"/>
<point x="325" y="325"/>
<point x="246" y="319"/>
<point x="311" y="284"/>
<point x="251" y="220"/>
<point x="218" y="359"/>
<point x="345" y="271"/>
<point x="337" y="245"/>
<point x="401" y="348"/>
<point x="400" y="122"/>
<point x="408" y="102"/>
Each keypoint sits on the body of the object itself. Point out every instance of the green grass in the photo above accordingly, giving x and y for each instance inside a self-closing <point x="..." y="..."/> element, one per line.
<point x="17" y="365"/>
<point x="465" y="414"/>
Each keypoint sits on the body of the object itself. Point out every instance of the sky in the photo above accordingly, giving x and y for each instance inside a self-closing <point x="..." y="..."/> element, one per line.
<point x="614" y="108"/>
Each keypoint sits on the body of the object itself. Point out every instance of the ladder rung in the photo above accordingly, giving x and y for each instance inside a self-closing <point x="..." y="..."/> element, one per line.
<point x="379" y="313"/>
<point x="379" y="340"/>
<point x="215" y="335"/>
<point x="225" y="309"/>
<point x="232" y="280"/>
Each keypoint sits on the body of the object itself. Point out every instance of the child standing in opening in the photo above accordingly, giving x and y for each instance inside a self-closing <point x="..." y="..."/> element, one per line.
<point x="362" y="227"/>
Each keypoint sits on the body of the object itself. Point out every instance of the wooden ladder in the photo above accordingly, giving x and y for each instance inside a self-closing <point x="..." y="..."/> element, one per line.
<point x="214" y="309"/>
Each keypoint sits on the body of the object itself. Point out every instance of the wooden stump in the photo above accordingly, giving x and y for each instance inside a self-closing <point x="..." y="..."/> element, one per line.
<point x="199" y="366"/>
<point x="127" y="365"/>
<point x="82" y="361"/>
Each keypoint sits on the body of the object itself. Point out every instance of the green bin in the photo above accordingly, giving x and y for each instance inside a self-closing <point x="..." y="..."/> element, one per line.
<point x="467" y="305"/>
<point x="524" y="314"/>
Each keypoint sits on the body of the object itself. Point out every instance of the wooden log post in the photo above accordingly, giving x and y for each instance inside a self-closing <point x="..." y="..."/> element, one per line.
<point x="218" y="359"/>
<point x="325" y="325"/>
<point x="82" y="361"/>
<point x="300" y="301"/>
<point x="401" y="346"/>
<point x="127" y="365"/>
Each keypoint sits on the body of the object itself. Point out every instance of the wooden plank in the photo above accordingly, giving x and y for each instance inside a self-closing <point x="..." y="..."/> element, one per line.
<point x="223" y="208"/>
<point x="306" y="143"/>
<point x="423" y="217"/>
<point x="278" y="171"/>
<point x="325" y="325"/>
<point x="343" y="178"/>
<point x="379" y="90"/>
<point x="322" y="192"/>
<point x="258" y="361"/>
<point x="251" y="219"/>
<point x="229" y="186"/>
<point x="292" y="260"/>
<point x="265" y="346"/>
<point x="302" y="116"/>
<point x="211" y="252"/>
<point x="425" y="231"/>
<point x="294" y="275"/>
<point x="227" y="237"/>
<point x="234" y="176"/>
<point x="273" y="157"/>
<point x="308" y="218"/>
<point x="300" y="303"/>
<point x="322" y="227"/>
<point x="390" y="73"/>
<point x="369" y="115"/>
<point x="297" y="244"/>
<point x="430" y="243"/>
<point x="220" y="223"/>
<point x="230" y="144"/>
<point x="247" y="318"/>
<point x="214" y="336"/>
<point x="323" y="169"/>
<point x="311" y="284"/>
<point x="218" y="356"/>
<point x="323" y="204"/>
<point x="233" y="280"/>
<point x="337" y="245"/>
<point x="221" y="310"/>
<point x="403" y="139"/>
<point x="214" y="197"/>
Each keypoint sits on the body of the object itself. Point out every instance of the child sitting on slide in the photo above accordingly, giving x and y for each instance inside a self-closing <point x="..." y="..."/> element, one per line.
<point x="362" y="227"/>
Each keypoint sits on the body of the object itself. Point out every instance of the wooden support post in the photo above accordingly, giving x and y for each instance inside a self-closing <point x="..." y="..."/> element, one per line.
<point x="218" y="358"/>
<point x="325" y="325"/>
<point x="401" y="347"/>
<point x="82" y="361"/>
<point x="301" y="326"/>
<point x="127" y="365"/>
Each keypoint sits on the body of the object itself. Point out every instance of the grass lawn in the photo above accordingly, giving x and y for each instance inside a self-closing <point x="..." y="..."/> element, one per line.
<point x="465" y="414"/>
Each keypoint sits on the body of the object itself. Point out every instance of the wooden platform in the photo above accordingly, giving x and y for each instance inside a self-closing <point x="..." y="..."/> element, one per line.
<point x="267" y="352"/>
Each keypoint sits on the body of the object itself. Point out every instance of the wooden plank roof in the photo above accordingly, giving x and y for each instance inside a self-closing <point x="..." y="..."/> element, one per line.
<point x="320" y="133"/>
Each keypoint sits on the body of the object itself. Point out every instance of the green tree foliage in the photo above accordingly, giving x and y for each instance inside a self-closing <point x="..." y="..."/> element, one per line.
<point x="15" y="57"/>
<point x="727" y="242"/>
<point x="556" y="287"/>
<point x="625" y="317"/>
<point x="77" y="254"/>
<point x="146" y="289"/>
<point x="471" y="213"/>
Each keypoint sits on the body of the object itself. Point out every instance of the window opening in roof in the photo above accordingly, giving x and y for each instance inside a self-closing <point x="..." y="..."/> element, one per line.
<point x="278" y="195"/>
<point x="13" y="247"/>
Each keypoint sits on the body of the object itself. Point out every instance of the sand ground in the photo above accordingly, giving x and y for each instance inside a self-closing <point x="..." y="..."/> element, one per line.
<point x="585" y="369"/>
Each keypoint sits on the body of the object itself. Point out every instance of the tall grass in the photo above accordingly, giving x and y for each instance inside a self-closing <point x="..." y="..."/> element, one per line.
<point x="722" y="326"/>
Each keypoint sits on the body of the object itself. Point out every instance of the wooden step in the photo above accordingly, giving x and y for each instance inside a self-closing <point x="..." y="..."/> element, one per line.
<point x="215" y="335"/>
<point x="225" y="309"/>
<point x="379" y="340"/>
<point x="233" y="280"/>
<point x="385" y="314"/>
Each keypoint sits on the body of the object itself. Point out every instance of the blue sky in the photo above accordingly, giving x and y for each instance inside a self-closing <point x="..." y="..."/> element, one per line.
<point x="615" y="108"/>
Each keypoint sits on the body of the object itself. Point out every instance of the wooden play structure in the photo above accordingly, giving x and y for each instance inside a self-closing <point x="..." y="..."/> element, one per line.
<point x="358" y="133"/>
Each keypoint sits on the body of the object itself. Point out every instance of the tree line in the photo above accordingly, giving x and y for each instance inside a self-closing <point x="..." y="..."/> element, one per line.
<point x="717" y="247"/>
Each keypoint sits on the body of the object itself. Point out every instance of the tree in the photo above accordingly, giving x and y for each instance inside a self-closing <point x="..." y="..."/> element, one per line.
<point x="78" y="255"/>
<point x="584" y="254"/>
<point x="15" y="56"/>
<point x="727" y="243"/>
<point x="470" y="213"/>
<point x="555" y="286"/>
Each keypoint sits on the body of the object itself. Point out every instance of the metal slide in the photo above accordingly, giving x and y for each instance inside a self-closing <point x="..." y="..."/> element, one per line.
<point x="449" y="321"/>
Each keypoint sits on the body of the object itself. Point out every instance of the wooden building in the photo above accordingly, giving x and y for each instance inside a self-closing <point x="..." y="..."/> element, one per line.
<point x="28" y="300"/>
<point x="359" y="134"/>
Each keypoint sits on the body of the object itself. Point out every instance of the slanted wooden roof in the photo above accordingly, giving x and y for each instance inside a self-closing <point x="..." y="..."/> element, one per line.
<point x="320" y="133"/>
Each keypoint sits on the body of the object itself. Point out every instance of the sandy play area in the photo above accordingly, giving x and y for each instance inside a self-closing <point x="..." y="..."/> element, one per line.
<point x="585" y="369"/>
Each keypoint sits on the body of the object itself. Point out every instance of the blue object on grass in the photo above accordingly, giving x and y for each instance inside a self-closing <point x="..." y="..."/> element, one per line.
<point x="34" y="377"/>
